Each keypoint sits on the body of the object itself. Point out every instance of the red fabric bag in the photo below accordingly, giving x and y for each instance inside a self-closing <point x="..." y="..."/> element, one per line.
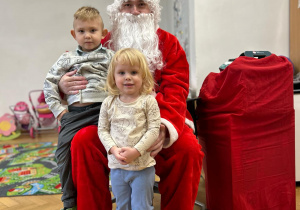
<point x="246" y="125"/>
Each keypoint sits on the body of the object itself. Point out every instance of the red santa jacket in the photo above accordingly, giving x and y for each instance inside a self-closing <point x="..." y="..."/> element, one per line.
<point x="172" y="85"/>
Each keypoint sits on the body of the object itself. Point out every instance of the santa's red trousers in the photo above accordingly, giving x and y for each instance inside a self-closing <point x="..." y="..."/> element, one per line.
<point x="179" y="169"/>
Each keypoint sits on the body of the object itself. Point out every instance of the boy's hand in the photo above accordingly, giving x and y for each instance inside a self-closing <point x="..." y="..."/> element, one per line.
<point x="61" y="114"/>
<point x="130" y="154"/>
<point x="70" y="84"/>
<point x="116" y="151"/>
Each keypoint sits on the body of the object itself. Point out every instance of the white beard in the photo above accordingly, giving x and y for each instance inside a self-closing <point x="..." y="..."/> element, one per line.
<point x="137" y="31"/>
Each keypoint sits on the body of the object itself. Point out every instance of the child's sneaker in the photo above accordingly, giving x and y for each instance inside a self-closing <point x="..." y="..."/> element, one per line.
<point x="73" y="208"/>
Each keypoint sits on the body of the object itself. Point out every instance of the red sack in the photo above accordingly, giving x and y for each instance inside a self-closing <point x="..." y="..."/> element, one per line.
<point x="246" y="124"/>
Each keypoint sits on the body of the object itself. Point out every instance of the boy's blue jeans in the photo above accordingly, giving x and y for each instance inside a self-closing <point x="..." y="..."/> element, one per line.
<point x="133" y="189"/>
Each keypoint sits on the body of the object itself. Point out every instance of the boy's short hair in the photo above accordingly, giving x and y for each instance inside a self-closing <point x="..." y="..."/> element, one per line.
<point x="87" y="13"/>
<point x="133" y="57"/>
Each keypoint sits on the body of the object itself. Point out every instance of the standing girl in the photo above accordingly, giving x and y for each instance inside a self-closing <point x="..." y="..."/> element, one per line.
<point x="129" y="123"/>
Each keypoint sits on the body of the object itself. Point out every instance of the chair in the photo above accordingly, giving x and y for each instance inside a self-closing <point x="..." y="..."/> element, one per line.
<point x="247" y="122"/>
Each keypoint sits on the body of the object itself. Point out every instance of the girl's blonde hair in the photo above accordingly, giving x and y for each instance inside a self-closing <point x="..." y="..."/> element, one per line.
<point x="87" y="13"/>
<point x="133" y="57"/>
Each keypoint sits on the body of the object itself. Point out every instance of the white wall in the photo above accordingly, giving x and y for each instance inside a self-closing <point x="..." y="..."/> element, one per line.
<point x="225" y="29"/>
<point x="34" y="33"/>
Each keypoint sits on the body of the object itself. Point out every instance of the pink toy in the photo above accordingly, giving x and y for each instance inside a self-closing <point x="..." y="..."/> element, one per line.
<point x="23" y="117"/>
<point x="43" y="115"/>
<point x="22" y="113"/>
<point x="7" y="125"/>
<point x="40" y="118"/>
<point x="8" y="129"/>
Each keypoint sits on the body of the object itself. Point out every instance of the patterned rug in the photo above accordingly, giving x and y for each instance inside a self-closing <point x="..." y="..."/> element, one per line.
<point x="28" y="169"/>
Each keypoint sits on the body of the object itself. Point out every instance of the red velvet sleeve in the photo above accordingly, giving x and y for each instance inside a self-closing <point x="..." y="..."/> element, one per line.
<point x="173" y="85"/>
<point x="105" y="39"/>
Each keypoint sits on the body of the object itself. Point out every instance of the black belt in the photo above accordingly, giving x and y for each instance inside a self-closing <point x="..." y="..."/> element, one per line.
<point x="83" y="108"/>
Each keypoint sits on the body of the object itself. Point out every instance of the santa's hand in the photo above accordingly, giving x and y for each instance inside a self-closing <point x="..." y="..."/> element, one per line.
<point x="70" y="84"/>
<point x="158" y="144"/>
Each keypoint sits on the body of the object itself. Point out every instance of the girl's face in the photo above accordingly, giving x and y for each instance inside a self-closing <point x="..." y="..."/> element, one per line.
<point x="129" y="81"/>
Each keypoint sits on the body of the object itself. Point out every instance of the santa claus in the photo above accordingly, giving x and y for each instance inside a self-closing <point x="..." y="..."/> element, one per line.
<point x="177" y="152"/>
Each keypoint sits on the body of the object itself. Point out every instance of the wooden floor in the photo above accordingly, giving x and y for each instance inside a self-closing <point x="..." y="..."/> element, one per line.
<point x="53" y="202"/>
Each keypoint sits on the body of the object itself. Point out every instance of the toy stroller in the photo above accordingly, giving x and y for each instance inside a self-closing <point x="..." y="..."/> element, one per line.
<point x="44" y="116"/>
<point x="23" y="117"/>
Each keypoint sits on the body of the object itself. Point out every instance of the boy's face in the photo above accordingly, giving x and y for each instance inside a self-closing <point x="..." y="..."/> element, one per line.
<point x="88" y="33"/>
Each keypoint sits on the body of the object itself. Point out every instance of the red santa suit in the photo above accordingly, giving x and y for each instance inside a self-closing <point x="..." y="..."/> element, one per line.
<point x="178" y="164"/>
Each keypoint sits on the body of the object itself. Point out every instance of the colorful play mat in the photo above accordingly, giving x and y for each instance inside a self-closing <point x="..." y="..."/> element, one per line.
<point x="28" y="169"/>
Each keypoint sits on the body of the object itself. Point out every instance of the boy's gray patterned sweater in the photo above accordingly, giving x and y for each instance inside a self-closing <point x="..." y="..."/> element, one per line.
<point x="92" y="65"/>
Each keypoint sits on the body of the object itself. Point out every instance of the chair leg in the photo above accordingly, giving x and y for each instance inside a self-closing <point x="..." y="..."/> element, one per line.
<point x="155" y="187"/>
